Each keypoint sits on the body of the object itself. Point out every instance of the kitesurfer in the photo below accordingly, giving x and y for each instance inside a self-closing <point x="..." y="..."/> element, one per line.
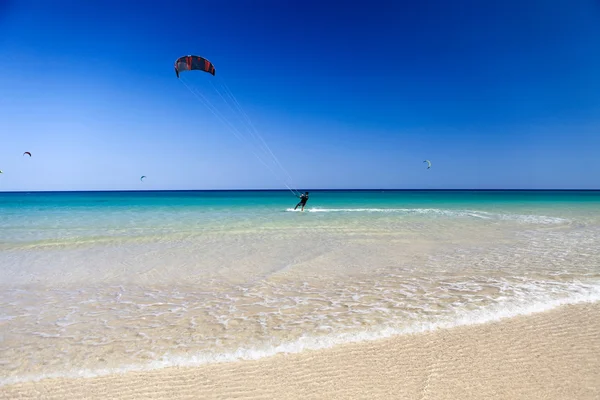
<point x="303" y="200"/>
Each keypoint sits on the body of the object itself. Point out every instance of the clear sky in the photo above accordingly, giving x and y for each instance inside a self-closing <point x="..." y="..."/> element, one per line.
<point x="497" y="94"/>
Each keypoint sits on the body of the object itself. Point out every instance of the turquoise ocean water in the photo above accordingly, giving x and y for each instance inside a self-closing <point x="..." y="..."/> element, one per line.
<point x="104" y="282"/>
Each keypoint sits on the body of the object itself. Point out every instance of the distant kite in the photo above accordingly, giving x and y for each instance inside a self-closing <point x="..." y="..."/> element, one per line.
<point x="1" y="172"/>
<point x="142" y="178"/>
<point x="27" y="153"/>
<point x="428" y="163"/>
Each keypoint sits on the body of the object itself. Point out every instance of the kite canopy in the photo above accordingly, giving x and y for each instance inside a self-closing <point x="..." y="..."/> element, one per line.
<point x="189" y="63"/>
<point x="428" y="163"/>
<point x="142" y="178"/>
<point x="27" y="153"/>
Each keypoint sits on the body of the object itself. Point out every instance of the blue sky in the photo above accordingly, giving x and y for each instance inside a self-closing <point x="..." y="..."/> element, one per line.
<point x="497" y="94"/>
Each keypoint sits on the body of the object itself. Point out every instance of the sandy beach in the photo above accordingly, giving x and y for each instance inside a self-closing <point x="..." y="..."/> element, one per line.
<point x="549" y="355"/>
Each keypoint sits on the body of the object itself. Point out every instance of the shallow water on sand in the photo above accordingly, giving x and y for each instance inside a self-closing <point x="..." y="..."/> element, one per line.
<point x="94" y="283"/>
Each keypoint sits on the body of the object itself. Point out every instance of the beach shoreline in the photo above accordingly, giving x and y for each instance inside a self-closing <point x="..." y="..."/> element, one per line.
<point x="552" y="355"/>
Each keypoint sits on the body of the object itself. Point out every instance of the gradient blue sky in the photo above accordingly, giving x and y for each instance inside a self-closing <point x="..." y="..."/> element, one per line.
<point x="497" y="94"/>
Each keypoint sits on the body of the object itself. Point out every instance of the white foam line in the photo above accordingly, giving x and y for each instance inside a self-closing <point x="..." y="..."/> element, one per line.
<point x="461" y="213"/>
<point x="476" y="317"/>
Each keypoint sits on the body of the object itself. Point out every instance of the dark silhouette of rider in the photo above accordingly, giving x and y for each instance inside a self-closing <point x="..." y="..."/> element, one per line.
<point x="303" y="200"/>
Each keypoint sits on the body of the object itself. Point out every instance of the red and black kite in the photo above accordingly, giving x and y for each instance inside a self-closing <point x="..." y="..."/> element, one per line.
<point x="190" y="63"/>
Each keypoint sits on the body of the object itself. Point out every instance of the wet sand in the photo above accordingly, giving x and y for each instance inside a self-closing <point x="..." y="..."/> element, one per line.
<point x="550" y="355"/>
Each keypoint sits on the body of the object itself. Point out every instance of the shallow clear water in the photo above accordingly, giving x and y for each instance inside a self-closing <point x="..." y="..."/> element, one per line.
<point x="93" y="283"/>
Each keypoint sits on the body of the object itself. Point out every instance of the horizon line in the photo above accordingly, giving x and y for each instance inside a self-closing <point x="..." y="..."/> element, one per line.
<point x="287" y="190"/>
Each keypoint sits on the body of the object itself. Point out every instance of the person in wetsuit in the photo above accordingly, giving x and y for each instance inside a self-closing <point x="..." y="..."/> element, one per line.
<point x="303" y="200"/>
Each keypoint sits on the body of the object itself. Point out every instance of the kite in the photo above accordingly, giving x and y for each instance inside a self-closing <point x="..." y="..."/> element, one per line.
<point x="190" y="63"/>
<point x="428" y="163"/>
<point x="197" y="63"/>
<point x="27" y="153"/>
